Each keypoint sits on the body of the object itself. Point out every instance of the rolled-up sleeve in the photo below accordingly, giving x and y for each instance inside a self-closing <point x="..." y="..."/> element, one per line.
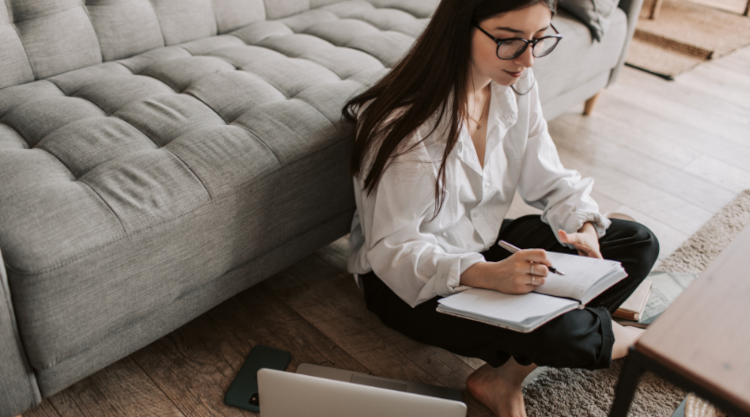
<point x="544" y="183"/>
<point x="409" y="260"/>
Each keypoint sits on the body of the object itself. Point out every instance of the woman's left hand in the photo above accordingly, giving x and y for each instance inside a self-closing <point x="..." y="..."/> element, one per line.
<point x="586" y="241"/>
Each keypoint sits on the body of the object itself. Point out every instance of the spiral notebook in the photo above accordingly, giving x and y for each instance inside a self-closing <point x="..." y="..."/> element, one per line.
<point x="584" y="279"/>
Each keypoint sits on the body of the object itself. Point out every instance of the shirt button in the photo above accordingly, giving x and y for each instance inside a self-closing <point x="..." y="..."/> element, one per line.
<point x="486" y="186"/>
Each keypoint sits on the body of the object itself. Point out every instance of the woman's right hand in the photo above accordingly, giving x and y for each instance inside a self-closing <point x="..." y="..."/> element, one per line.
<point x="512" y="275"/>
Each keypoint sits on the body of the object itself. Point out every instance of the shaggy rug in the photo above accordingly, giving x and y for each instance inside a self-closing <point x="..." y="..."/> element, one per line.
<point x="575" y="392"/>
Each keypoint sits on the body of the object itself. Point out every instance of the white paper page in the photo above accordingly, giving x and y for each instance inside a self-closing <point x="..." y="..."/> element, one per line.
<point x="580" y="273"/>
<point x="614" y="277"/>
<point x="501" y="307"/>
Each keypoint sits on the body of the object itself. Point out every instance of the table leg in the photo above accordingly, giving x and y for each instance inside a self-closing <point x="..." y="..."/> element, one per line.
<point x="631" y="373"/>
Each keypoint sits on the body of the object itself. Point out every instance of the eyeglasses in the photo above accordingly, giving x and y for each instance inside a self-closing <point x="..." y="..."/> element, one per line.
<point x="510" y="48"/>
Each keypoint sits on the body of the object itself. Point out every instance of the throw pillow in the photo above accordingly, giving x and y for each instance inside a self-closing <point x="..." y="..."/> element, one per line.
<point x="594" y="13"/>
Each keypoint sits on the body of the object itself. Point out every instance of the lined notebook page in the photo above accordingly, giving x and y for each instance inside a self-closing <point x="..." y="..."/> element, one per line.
<point x="581" y="273"/>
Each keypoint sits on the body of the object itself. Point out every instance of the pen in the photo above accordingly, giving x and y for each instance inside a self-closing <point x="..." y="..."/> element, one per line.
<point x="513" y="249"/>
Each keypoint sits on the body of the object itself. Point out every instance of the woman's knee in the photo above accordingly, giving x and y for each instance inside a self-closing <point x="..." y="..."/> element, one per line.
<point x="647" y="248"/>
<point x="645" y="237"/>
<point x="632" y="237"/>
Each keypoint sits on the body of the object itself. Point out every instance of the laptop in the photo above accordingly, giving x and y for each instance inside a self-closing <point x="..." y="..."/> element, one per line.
<point x="380" y="382"/>
<point x="340" y="393"/>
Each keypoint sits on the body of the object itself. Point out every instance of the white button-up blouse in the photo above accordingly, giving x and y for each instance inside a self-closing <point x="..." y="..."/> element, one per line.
<point x="394" y="235"/>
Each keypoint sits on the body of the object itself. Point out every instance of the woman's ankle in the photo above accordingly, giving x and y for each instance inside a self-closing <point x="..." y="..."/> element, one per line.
<point x="521" y="371"/>
<point x="625" y="337"/>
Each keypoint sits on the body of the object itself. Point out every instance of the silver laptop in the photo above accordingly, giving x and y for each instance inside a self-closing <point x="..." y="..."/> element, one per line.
<point x="332" y="394"/>
<point x="380" y="382"/>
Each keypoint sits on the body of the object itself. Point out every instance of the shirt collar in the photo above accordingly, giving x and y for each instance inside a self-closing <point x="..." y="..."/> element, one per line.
<point x="503" y="108"/>
<point x="503" y="114"/>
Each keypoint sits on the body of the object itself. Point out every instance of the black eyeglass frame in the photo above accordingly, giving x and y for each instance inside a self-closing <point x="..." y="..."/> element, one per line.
<point x="533" y="42"/>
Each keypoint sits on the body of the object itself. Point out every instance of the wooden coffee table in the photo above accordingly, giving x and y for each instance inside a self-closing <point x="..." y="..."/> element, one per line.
<point x="702" y="342"/>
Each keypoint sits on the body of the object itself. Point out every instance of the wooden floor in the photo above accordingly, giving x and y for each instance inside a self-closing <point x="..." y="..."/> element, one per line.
<point x="670" y="154"/>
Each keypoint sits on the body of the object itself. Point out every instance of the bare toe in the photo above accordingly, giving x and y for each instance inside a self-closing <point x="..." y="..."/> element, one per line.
<point x="498" y="390"/>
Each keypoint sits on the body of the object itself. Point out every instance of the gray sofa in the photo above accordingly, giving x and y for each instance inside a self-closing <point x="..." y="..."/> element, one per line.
<point x="159" y="156"/>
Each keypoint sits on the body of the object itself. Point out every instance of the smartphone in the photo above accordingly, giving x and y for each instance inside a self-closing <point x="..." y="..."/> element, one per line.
<point x="243" y="393"/>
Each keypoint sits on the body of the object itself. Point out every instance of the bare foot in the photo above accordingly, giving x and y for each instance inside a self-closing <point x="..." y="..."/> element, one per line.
<point x="625" y="337"/>
<point x="499" y="389"/>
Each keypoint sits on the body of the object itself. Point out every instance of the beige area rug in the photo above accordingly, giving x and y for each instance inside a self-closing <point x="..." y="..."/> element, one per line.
<point x="582" y="393"/>
<point x="683" y="35"/>
<point x="695" y="254"/>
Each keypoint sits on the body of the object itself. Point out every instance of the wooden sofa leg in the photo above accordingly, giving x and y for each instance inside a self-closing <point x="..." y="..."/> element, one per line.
<point x="588" y="107"/>
<point x="747" y="9"/>
<point x="655" y="8"/>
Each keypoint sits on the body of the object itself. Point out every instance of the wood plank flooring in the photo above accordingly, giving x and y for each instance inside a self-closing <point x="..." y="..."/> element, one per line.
<point x="670" y="154"/>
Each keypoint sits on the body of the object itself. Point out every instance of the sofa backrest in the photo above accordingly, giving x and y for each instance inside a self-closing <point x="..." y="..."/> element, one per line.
<point x="42" y="38"/>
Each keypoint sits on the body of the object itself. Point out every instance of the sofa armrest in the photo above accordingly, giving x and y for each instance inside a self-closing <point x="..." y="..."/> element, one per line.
<point x="18" y="387"/>
<point x="632" y="9"/>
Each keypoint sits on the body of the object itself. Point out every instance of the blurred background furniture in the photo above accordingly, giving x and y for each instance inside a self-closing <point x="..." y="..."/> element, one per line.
<point x="656" y="7"/>
<point x="700" y="342"/>
<point x="159" y="156"/>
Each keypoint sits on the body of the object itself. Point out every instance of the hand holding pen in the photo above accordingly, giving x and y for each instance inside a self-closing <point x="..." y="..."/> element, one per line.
<point x="513" y="249"/>
<point x="520" y="273"/>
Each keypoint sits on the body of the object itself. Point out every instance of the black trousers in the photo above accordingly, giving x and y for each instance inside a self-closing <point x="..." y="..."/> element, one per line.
<point x="577" y="339"/>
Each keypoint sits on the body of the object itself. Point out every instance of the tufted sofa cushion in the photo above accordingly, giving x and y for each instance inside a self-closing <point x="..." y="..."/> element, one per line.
<point x="42" y="38"/>
<point x="130" y="183"/>
<point x="48" y="37"/>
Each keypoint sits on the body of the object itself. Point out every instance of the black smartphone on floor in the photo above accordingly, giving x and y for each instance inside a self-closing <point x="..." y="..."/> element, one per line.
<point x="243" y="393"/>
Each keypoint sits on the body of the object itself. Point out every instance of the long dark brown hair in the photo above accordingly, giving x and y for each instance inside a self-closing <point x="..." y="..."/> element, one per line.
<point x="421" y="84"/>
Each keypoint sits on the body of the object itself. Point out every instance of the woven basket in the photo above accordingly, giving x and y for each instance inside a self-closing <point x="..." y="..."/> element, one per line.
<point x="698" y="407"/>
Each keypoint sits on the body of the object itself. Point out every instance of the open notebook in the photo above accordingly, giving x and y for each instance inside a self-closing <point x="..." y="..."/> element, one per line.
<point x="584" y="279"/>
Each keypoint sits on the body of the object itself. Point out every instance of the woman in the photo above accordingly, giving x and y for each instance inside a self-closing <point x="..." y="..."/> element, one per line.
<point x="443" y="142"/>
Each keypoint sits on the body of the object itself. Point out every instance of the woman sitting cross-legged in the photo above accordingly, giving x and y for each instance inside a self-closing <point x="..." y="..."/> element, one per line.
<point x="443" y="142"/>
